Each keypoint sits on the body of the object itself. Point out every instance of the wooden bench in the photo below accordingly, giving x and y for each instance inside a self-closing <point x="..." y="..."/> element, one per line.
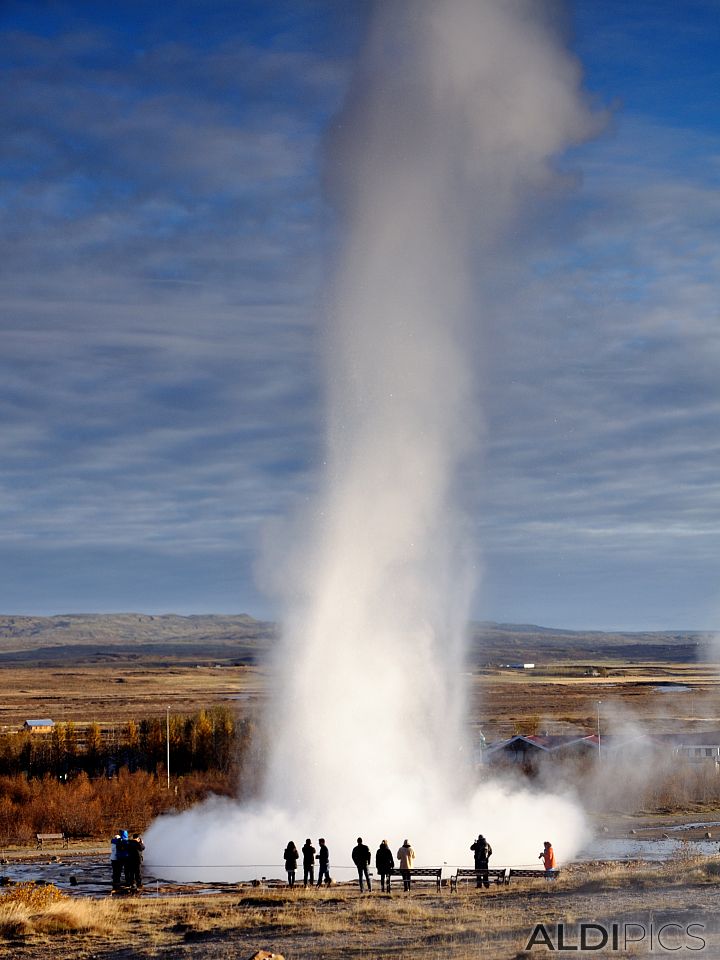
<point x="494" y="875"/>
<point x="534" y="874"/>
<point x="42" y="838"/>
<point x="423" y="874"/>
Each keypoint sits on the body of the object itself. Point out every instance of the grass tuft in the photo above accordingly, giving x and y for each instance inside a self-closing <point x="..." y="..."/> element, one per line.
<point x="29" y="908"/>
<point x="15" y="920"/>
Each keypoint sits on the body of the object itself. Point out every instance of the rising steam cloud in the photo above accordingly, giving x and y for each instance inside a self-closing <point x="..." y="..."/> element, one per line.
<point x="455" y="111"/>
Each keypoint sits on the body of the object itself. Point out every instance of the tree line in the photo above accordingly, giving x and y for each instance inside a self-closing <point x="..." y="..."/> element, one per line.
<point x="208" y="740"/>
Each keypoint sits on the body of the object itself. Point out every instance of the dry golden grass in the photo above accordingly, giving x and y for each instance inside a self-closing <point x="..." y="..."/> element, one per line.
<point x="422" y="925"/>
<point x="28" y="909"/>
<point x="78" y="915"/>
<point x="499" y="700"/>
<point x="91" y="692"/>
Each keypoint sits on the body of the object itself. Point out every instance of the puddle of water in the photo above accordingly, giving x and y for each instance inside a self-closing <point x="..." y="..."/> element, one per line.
<point x="656" y="850"/>
<point x="700" y="825"/>
<point x="93" y="874"/>
<point x="672" y="688"/>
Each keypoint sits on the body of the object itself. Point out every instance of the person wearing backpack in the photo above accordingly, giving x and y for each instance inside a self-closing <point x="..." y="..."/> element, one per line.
<point x="483" y="852"/>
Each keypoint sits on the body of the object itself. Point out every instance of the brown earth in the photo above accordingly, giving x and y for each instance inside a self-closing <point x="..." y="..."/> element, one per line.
<point x="677" y="900"/>
<point x="501" y="702"/>
<point x="110" y="694"/>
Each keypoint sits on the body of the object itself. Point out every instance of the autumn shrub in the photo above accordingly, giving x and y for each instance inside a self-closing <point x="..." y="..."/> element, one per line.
<point x="28" y="908"/>
<point x="87" y="807"/>
<point x="34" y="896"/>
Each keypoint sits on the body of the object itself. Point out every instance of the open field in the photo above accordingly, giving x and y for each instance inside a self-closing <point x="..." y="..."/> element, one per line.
<point x="112" y="668"/>
<point x="111" y="694"/>
<point x="340" y="923"/>
<point x="96" y="671"/>
<point x="501" y="701"/>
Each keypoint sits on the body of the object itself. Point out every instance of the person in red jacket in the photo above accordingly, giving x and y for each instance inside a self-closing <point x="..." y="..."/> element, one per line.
<point x="548" y="857"/>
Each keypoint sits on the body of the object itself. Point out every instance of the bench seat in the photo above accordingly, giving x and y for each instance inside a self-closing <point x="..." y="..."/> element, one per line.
<point x="494" y="875"/>
<point x="535" y="874"/>
<point x="428" y="874"/>
<point x="42" y="838"/>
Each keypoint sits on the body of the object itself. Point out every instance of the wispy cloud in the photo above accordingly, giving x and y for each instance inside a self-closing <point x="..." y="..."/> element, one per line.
<point x="163" y="242"/>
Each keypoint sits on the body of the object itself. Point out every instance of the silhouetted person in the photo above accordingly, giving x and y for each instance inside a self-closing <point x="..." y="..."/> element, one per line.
<point x="116" y="861"/>
<point x="384" y="863"/>
<point x="361" y="859"/>
<point x="291" y="861"/>
<point x="324" y="863"/>
<point x="405" y="856"/>
<point x="122" y="855"/>
<point x="483" y="852"/>
<point x="133" y="870"/>
<point x="308" y="852"/>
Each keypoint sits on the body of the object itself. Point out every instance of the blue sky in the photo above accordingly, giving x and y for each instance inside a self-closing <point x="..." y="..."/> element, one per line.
<point x="164" y="248"/>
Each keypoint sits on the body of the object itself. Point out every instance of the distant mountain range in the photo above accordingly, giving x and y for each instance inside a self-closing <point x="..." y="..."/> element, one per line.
<point x="241" y="638"/>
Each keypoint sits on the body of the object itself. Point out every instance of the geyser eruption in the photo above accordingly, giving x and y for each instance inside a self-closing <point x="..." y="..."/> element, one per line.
<point x="456" y="109"/>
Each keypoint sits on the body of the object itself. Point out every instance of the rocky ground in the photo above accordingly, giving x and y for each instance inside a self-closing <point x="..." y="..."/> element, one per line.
<point x="647" y="909"/>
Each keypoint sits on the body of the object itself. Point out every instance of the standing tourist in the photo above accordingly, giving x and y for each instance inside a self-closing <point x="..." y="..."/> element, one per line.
<point x="324" y="863"/>
<point x="548" y="857"/>
<point x="122" y="853"/>
<point x="116" y="863"/>
<point x="405" y="856"/>
<point x="291" y="856"/>
<point x="308" y="852"/>
<point x="135" y="847"/>
<point x="361" y="859"/>
<point x="385" y="864"/>
<point x="483" y="852"/>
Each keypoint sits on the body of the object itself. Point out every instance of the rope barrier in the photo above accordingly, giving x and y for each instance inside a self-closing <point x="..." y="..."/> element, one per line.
<point x="234" y="866"/>
<point x="335" y="866"/>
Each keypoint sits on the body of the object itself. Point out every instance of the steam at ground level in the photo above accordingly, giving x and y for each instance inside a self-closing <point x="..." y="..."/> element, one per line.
<point x="226" y="840"/>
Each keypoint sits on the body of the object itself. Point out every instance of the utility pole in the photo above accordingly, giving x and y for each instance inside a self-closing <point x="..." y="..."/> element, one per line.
<point x="167" y="737"/>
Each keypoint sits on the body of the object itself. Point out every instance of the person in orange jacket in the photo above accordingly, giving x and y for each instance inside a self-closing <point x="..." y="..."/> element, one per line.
<point x="548" y="857"/>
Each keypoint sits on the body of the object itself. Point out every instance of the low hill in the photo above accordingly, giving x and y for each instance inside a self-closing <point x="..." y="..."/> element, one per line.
<point x="74" y="638"/>
<point x="508" y="643"/>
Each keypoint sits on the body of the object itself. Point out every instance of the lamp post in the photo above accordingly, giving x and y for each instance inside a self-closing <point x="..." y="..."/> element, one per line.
<point x="167" y="738"/>
<point x="598" y="732"/>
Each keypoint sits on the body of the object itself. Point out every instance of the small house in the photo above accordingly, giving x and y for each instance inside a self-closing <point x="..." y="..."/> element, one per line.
<point x="530" y="751"/>
<point x="38" y="726"/>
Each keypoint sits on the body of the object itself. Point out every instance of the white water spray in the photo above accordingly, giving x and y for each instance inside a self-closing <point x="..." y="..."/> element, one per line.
<point x="456" y="109"/>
